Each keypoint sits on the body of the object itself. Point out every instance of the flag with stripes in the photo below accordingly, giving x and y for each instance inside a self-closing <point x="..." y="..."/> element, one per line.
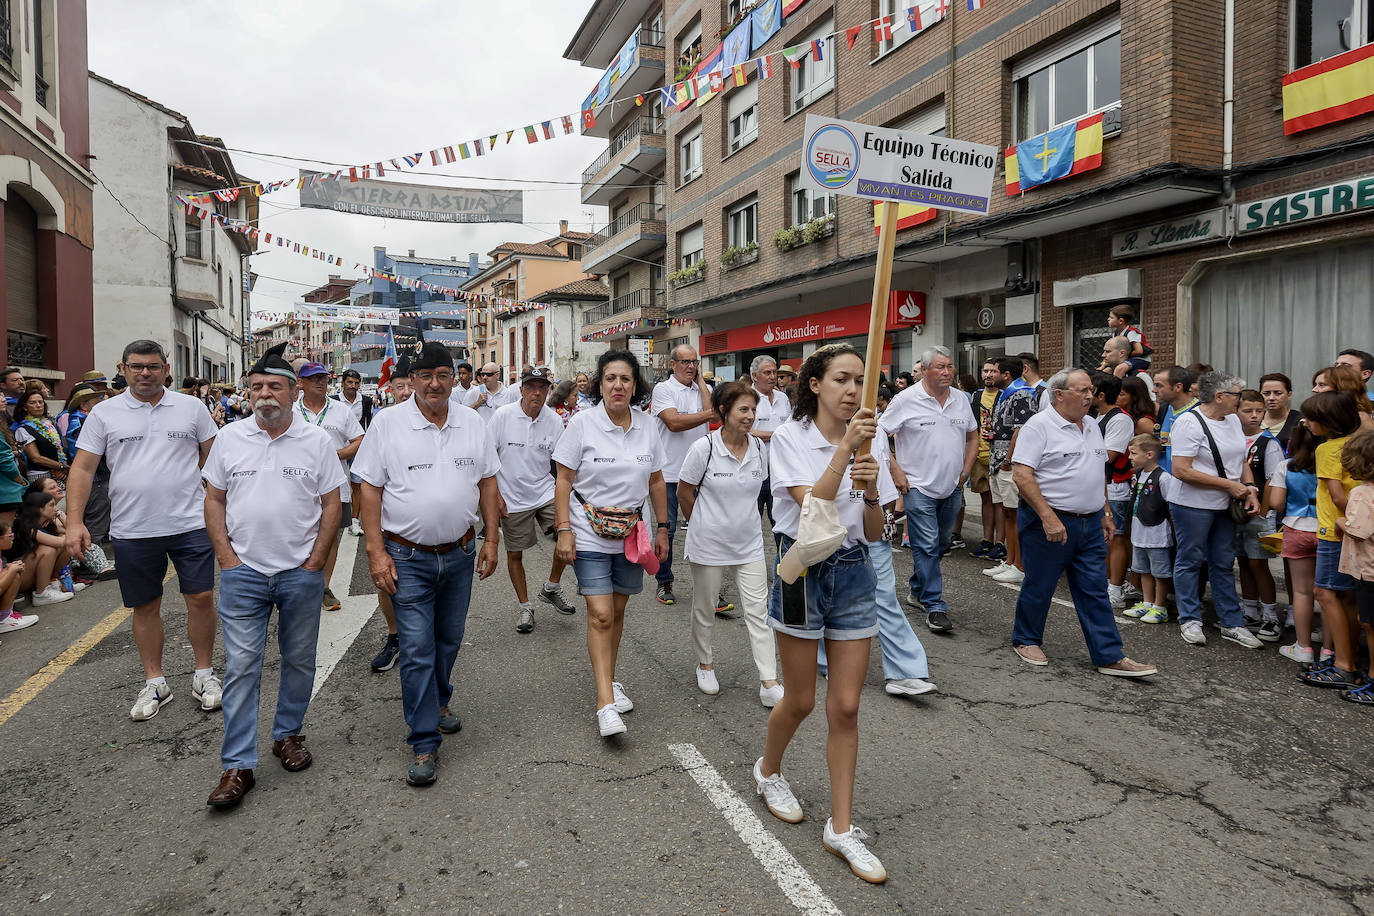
<point x="913" y="19"/>
<point x="448" y="154"/>
<point x="548" y="129"/>
<point x="974" y="5"/>
<point x="765" y="67"/>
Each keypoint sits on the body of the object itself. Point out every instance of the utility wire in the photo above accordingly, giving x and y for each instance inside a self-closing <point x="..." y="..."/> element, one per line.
<point x="132" y="214"/>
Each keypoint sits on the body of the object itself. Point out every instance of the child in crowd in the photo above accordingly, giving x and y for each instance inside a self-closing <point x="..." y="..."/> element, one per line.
<point x="1151" y="538"/>
<point x="1293" y="494"/>
<point x="1357" y="549"/>
<point x="10" y="576"/>
<point x="1121" y="319"/>
<point x="1258" y="601"/>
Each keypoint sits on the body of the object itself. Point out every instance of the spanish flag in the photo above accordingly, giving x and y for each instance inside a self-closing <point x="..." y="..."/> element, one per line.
<point x="1331" y="90"/>
<point x="1061" y="153"/>
<point x="908" y="215"/>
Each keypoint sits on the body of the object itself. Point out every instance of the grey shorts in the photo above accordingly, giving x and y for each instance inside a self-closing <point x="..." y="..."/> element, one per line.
<point x="522" y="529"/>
<point x="1248" y="535"/>
<point x="1153" y="561"/>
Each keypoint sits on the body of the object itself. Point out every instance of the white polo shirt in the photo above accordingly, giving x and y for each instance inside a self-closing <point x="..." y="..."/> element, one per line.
<point x="153" y="452"/>
<point x="613" y="467"/>
<point x="342" y="427"/>
<point x="273" y="489"/>
<point x="931" y="438"/>
<point x="525" y="447"/>
<point x="1067" y="461"/>
<point x="498" y="398"/>
<point x="772" y="412"/>
<point x="798" y="459"/>
<point x="428" y="475"/>
<point x="355" y="407"/>
<point x="1120" y="432"/>
<point x="685" y="399"/>
<point x="725" y="529"/>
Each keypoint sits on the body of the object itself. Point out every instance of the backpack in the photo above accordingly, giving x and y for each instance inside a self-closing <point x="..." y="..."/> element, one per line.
<point x="1145" y="348"/>
<point x="1256" y="457"/>
<point x="1118" y="471"/>
<point x="1148" y="498"/>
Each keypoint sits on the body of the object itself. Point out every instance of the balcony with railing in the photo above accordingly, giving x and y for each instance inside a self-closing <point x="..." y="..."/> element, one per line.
<point x="26" y="348"/>
<point x="638" y="68"/>
<point x="633" y="234"/>
<point x="631" y="306"/>
<point x="638" y="148"/>
<point x="6" y="30"/>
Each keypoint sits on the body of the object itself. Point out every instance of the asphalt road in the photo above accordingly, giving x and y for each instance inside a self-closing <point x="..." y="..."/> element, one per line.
<point x="1222" y="786"/>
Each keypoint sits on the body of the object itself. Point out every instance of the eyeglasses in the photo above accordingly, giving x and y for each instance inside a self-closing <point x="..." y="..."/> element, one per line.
<point x="687" y="362"/>
<point x="425" y="378"/>
<point x="1234" y="394"/>
<point x="140" y="368"/>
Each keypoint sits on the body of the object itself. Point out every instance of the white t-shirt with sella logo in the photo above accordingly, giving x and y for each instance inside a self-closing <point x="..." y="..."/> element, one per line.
<point x="613" y="467"/>
<point x="725" y="529"/>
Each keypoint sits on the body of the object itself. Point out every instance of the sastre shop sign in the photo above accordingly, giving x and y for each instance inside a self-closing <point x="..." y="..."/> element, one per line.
<point x="1302" y="206"/>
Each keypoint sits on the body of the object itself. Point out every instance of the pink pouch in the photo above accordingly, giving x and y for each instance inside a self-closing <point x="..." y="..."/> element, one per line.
<point x="639" y="549"/>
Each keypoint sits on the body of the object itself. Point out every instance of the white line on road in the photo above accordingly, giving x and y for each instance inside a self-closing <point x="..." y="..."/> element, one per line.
<point x="805" y="894"/>
<point x="1068" y="604"/>
<point x="338" y="629"/>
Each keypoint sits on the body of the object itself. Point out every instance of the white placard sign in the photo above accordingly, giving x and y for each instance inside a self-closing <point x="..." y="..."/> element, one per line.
<point x="884" y="163"/>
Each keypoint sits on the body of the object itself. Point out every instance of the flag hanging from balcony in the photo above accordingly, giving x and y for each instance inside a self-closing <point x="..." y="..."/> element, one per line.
<point x="852" y="34"/>
<point x="1331" y="90"/>
<point x="737" y="45"/>
<point x="882" y="28"/>
<point x="1064" y="151"/>
<point x="908" y="215"/>
<point x="767" y="20"/>
<point x="792" y="6"/>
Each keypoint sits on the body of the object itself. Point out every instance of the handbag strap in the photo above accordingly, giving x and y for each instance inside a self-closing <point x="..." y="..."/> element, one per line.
<point x="1216" y="452"/>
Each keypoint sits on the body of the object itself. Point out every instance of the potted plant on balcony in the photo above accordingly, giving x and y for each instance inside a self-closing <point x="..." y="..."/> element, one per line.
<point x="737" y="255"/>
<point x="818" y="228"/>
<point x="787" y="239"/>
<point x="687" y="274"/>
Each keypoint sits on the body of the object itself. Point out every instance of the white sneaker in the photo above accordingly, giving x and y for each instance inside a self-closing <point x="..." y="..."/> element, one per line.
<point x="355" y="528"/>
<point x="909" y="687"/>
<point x="622" y="702"/>
<point x="1296" y="653"/>
<point x="150" y="699"/>
<point x="53" y="594"/>
<point x="777" y="795"/>
<point x="17" y="621"/>
<point x="609" y="721"/>
<point x="1241" y="637"/>
<point x="770" y="696"/>
<point x="994" y="570"/>
<point x="207" y="692"/>
<point x="1009" y="575"/>
<point x="1191" y="631"/>
<point x="850" y="847"/>
<point x="706" y="681"/>
<point x="79" y="587"/>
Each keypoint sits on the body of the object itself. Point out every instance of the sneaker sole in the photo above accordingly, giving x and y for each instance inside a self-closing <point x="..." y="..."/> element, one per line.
<point x="421" y="783"/>
<point x="521" y="628"/>
<point x="939" y="627"/>
<point x="786" y="819"/>
<point x="199" y="698"/>
<point x="898" y="691"/>
<point x="1265" y="637"/>
<point x="544" y="597"/>
<point x="870" y="879"/>
<point x="1116" y="672"/>
<point x="1238" y="642"/>
<point x="154" y="713"/>
<point x="768" y="702"/>
<point x="387" y="667"/>
<point x="612" y="731"/>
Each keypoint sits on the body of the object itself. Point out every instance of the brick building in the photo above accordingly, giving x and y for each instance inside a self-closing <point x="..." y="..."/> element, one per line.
<point x="1193" y="136"/>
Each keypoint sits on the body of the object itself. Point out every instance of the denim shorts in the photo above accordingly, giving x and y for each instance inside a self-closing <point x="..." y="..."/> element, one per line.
<point x="142" y="564"/>
<point x="841" y="596"/>
<point x="606" y="573"/>
<point x="1153" y="561"/>
<point x="1248" y="535"/>
<point x="1329" y="575"/>
<point x="1121" y="515"/>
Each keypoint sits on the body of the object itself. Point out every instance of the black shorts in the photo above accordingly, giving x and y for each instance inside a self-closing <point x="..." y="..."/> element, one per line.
<point x="10" y="507"/>
<point x="142" y="565"/>
<point x="1364" y="600"/>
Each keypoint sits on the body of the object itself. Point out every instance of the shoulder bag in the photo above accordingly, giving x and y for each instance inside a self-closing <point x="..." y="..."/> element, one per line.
<point x="1236" y="506"/>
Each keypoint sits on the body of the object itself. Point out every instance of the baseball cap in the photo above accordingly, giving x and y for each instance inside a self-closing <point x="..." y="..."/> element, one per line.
<point x="819" y="534"/>
<point x="537" y="374"/>
<point x="309" y="369"/>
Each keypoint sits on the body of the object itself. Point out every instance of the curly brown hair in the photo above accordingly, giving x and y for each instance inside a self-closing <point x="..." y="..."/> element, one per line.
<point x="808" y="404"/>
<point x="1357" y="456"/>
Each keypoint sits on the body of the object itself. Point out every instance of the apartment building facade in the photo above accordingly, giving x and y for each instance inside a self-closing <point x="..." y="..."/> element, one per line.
<point x="1193" y="125"/>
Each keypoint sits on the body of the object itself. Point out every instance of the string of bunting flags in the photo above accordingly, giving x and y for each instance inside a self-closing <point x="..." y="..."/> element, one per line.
<point x="730" y="61"/>
<point x="635" y="325"/>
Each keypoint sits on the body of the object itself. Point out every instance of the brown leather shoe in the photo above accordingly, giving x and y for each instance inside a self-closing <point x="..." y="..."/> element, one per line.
<point x="291" y="750"/>
<point x="233" y="785"/>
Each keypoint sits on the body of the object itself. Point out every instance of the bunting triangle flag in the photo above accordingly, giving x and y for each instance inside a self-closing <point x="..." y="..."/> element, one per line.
<point x="852" y="34"/>
<point x="795" y="54"/>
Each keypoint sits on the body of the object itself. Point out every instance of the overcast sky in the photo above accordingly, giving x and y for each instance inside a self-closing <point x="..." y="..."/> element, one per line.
<point x="351" y="82"/>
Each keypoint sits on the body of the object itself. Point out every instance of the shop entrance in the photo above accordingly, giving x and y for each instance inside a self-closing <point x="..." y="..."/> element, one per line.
<point x="981" y="322"/>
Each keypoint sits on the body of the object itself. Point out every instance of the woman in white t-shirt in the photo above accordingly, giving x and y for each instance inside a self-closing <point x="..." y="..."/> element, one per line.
<point x="1203" y="528"/>
<point x="833" y="599"/>
<point x="609" y="457"/>
<point x="718" y="489"/>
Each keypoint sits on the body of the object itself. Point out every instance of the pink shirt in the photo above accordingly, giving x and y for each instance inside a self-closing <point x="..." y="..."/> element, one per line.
<point x="1357" y="552"/>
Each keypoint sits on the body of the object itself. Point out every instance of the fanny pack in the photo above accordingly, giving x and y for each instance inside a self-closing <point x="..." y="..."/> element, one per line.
<point x="610" y="522"/>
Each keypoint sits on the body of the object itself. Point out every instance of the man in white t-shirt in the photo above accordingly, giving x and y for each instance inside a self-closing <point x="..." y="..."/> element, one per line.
<point x="774" y="410"/>
<point x="272" y="510"/>
<point x="489" y="393"/>
<point x="682" y="404"/>
<point x="937" y="443"/>
<point x="154" y="442"/>
<point x="524" y="434"/>
<point x="1065" y="525"/>
<point x="334" y="417"/>
<point x="428" y="470"/>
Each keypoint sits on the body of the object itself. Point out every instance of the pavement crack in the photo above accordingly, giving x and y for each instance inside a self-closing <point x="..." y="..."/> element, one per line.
<point x="611" y="775"/>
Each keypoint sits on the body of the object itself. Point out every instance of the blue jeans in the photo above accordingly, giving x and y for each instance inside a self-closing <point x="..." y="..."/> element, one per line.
<point x="246" y="597"/>
<point x="930" y="527"/>
<point x="665" y="570"/>
<point x="1205" y="538"/>
<point x="431" y="604"/>
<point x="1083" y="556"/>
<point x="903" y="654"/>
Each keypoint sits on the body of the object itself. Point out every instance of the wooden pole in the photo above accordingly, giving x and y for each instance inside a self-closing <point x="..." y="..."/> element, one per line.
<point x="877" y="319"/>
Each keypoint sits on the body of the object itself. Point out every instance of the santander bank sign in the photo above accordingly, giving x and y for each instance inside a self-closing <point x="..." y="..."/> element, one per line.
<point x="905" y="309"/>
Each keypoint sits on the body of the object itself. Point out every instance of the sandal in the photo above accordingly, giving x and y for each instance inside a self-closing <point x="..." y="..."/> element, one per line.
<point x="1364" y="696"/>
<point x="1331" y="676"/>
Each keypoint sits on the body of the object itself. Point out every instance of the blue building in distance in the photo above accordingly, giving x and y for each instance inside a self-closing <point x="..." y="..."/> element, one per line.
<point x="368" y="347"/>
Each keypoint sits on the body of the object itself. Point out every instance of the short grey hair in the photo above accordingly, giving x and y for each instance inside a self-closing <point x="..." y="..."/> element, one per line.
<point x="759" y="362"/>
<point x="929" y="355"/>
<point x="1060" y="380"/>
<point x="143" y="347"/>
<point x="1210" y="384"/>
<point x="1120" y="343"/>
<point x="674" y="353"/>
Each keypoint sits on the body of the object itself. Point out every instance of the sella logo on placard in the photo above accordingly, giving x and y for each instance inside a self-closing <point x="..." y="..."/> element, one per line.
<point x="832" y="156"/>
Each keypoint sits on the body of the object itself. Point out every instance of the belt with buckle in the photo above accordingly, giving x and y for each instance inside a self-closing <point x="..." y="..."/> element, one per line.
<point x="463" y="541"/>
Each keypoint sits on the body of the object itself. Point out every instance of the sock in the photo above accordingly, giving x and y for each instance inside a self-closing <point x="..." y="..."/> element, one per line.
<point x="1270" y="611"/>
<point x="551" y="586"/>
<point x="203" y="672"/>
<point x="1158" y="607"/>
<point x="157" y="681"/>
<point x="1249" y="607"/>
<point x="526" y="606"/>
<point x="1114" y="591"/>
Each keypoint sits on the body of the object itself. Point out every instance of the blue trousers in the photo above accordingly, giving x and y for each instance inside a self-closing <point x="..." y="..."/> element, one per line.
<point x="665" y="569"/>
<point x="246" y="598"/>
<point x="1083" y="557"/>
<point x="431" y="604"/>
<point x="1206" y="540"/>
<point x="930" y="528"/>
<point x="903" y="654"/>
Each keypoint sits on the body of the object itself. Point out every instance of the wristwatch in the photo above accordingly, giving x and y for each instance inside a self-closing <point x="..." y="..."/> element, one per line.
<point x="663" y="524"/>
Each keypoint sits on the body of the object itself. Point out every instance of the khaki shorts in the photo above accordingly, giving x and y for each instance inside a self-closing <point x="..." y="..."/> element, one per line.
<point x="978" y="477"/>
<point x="521" y="529"/>
<point x="1004" y="492"/>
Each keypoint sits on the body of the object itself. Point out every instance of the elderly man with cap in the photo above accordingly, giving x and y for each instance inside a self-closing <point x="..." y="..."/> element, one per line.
<point x="489" y="393"/>
<point x="428" y="468"/>
<point x="524" y="434"/>
<point x="272" y="509"/>
<point x="96" y="379"/>
<point x="334" y="417"/>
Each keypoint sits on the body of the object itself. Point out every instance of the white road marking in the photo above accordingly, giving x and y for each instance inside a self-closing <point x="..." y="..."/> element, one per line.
<point x="338" y="629"/>
<point x="1069" y="604"/>
<point x="805" y="894"/>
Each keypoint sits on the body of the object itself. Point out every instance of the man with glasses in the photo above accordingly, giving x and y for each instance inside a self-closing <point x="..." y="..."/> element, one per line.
<point x="489" y="394"/>
<point x="682" y="404"/>
<point x="155" y="442"/>
<point x="428" y="470"/>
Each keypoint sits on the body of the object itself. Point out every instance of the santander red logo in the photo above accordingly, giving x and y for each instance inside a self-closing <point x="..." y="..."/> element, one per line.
<point x="907" y="307"/>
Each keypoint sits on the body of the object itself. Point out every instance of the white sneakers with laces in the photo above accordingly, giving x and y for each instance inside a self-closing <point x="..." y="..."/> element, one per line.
<point x="777" y="795"/>
<point x="17" y="621"/>
<point x="150" y="699"/>
<point x="622" y="702"/>
<point x="770" y="696"/>
<point x="608" y="721"/>
<point x="850" y="847"/>
<point x="53" y="594"/>
<point x="207" y="691"/>
<point x="1241" y="637"/>
<point x="1191" y="631"/>
<point x="706" y="681"/>
<point x="994" y="570"/>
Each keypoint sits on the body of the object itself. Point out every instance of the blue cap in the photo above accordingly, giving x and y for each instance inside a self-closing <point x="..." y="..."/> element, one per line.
<point x="310" y="369"/>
